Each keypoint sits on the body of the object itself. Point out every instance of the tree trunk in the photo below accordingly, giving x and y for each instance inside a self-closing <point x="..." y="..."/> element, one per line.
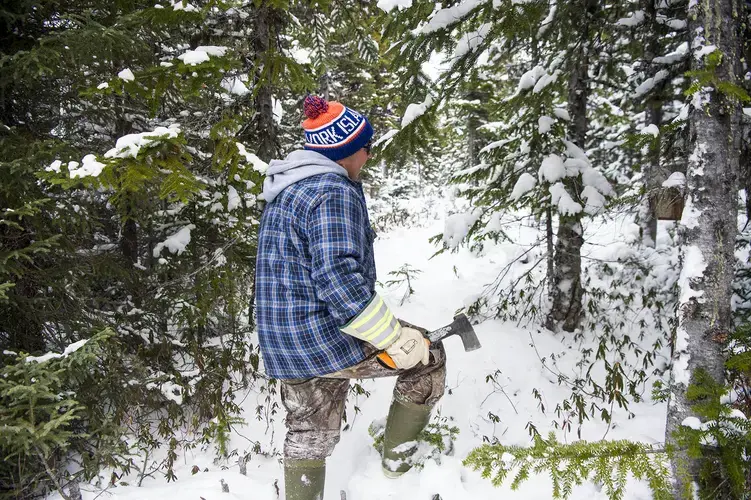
<point x="476" y="117"/>
<point x="654" y="174"/>
<point x="325" y="84"/>
<point x="267" y="23"/>
<point x="745" y="161"/>
<point x="708" y="228"/>
<point x="567" y="310"/>
<point x="550" y="247"/>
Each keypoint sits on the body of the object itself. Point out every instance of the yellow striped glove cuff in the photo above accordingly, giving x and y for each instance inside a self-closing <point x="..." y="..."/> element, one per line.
<point x="375" y="324"/>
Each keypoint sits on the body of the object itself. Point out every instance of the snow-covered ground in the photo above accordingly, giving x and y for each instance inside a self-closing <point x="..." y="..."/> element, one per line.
<point x="447" y="282"/>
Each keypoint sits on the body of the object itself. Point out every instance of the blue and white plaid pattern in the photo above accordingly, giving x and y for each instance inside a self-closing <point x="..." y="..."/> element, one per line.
<point x="315" y="271"/>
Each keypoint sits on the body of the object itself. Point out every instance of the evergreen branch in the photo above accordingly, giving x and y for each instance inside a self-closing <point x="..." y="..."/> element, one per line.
<point x="605" y="462"/>
<point x="215" y="257"/>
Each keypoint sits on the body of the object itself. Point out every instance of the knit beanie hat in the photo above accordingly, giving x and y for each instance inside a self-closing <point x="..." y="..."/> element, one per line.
<point x="333" y="129"/>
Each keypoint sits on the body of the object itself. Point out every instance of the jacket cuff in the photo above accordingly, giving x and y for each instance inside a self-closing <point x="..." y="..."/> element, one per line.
<point x="375" y="324"/>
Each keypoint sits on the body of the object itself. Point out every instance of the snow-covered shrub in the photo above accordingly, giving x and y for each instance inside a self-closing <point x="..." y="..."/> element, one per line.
<point x="53" y="410"/>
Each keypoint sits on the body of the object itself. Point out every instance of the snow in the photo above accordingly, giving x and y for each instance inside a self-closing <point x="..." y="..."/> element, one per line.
<point x="545" y="80"/>
<point x="202" y="54"/>
<point x="301" y="55"/>
<point x="701" y="98"/>
<point x="436" y="65"/>
<point x="414" y="111"/>
<point x="213" y="50"/>
<point x="258" y="164"/>
<point x="495" y="145"/>
<point x="677" y="24"/>
<point x="386" y="138"/>
<point x="529" y="78"/>
<point x="690" y="216"/>
<point x="389" y="5"/>
<point x="704" y="50"/>
<point x="562" y="114"/>
<point x="548" y="21"/>
<point x="126" y="75"/>
<point x="102" y="86"/>
<point x="448" y="280"/>
<point x="650" y="83"/>
<point x="177" y="242"/>
<point x="184" y="5"/>
<point x="194" y="57"/>
<point x="677" y="55"/>
<point x="277" y="110"/>
<point x="444" y="18"/>
<point x="233" y="199"/>
<point x="692" y="422"/>
<point x="54" y="166"/>
<point x="234" y="85"/>
<point x="524" y="184"/>
<point x="544" y="123"/>
<point x="575" y="166"/>
<point x="552" y="169"/>
<point x="90" y="167"/>
<point x="594" y="200"/>
<point x="693" y="267"/>
<point x="650" y="129"/>
<point x="680" y="372"/>
<point x="683" y="113"/>
<point x="470" y="41"/>
<point x="676" y="179"/>
<point x="560" y="197"/>
<point x="575" y="151"/>
<point x="747" y="111"/>
<point x="128" y="146"/>
<point x="592" y="177"/>
<point x="457" y="227"/>
<point x="635" y="19"/>
<point x="54" y="355"/>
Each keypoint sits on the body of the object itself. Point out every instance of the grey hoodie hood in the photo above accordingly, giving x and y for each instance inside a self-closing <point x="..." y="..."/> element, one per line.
<point x="298" y="165"/>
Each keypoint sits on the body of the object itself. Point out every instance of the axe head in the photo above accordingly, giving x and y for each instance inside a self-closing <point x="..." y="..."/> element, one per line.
<point x="460" y="327"/>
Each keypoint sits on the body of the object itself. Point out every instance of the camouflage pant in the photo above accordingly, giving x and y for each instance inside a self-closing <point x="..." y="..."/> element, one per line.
<point x="315" y="406"/>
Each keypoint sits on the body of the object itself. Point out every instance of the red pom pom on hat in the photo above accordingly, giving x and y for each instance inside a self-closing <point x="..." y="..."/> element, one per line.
<point x="313" y="106"/>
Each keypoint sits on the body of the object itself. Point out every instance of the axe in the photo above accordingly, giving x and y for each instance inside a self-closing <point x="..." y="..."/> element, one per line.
<point x="460" y="326"/>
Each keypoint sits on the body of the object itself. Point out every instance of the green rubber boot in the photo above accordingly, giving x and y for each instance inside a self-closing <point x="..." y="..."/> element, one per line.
<point x="405" y="422"/>
<point x="304" y="479"/>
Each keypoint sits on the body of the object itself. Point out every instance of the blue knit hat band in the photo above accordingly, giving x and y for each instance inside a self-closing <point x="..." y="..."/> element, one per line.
<point x="342" y="136"/>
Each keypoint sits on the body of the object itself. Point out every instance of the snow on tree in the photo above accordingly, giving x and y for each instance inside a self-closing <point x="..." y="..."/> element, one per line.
<point x="708" y="224"/>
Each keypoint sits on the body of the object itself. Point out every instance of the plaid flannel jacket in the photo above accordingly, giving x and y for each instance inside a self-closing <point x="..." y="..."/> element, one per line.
<point x="315" y="271"/>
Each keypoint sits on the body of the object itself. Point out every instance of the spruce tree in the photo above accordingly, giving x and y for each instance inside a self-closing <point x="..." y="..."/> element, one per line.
<point x="131" y="145"/>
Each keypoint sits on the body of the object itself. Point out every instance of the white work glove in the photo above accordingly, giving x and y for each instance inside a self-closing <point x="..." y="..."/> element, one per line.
<point x="409" y="349"/>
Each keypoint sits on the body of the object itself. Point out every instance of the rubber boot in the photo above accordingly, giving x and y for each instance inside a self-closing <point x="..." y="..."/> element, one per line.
<point x="405" y="422"/>
<point x="304" y="479"/>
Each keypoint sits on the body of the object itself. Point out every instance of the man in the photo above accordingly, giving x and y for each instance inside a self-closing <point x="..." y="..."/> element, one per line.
<point x="320" y="321"/>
